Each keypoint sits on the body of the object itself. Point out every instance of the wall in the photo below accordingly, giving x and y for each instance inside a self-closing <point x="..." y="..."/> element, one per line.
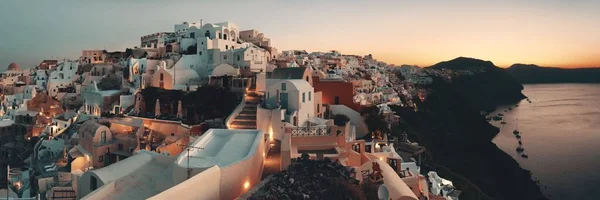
<point x="331" y="89"/>
<point x="268" y="120"/>
<point x="249" y="170"/>
<point x="261" y="82"/>
<point x="167" y="79"/>
<point x="187" y="42"/>
<point x="189" y="190"/>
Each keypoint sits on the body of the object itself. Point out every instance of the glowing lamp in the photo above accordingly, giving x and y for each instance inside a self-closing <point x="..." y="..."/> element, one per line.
<point x="246" y="185"/>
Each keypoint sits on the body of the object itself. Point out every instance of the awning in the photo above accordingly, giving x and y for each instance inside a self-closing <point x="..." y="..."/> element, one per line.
<point x="318" y="121"/>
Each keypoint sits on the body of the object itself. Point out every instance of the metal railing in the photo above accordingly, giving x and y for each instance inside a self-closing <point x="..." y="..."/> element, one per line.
<point x="309" y="131"/>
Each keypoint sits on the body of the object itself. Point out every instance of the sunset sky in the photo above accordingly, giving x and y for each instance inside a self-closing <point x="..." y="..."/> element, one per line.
<point x="544" y="32"/>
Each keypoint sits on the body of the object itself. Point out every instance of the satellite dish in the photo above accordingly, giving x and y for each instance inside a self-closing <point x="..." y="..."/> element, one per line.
<point x="383" y="192"/>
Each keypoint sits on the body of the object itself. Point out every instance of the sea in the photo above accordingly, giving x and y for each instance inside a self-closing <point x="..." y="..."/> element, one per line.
<point x="560" y="134"/>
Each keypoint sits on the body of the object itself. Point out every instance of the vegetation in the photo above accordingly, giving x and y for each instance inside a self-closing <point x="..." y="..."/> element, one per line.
<point x="110" y="82"/>
<point x="340" y="119"/>
<point x="312" y="179"/>
<point x="377" y="126"/>
<point x="205" y="103"/>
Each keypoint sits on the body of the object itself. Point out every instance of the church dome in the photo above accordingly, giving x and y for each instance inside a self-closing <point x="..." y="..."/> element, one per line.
<point x="14" y="66"/>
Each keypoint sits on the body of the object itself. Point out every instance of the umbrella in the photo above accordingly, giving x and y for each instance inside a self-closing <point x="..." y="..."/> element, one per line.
<point x="157" y="108"/>
<point x="179" y="110"/>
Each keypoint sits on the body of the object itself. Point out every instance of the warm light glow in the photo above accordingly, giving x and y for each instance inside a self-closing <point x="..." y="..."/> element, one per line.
<point x="246" y="185"/>
<point x="264" y="155"/>
<point x="380" y="158"/>
<point x="270" y="133"/>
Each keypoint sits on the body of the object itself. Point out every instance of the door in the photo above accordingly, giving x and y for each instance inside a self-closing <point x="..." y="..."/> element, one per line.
<point x="283" y="98"/>
<point x="337" y="100"/>
<point x="226" y="82"/>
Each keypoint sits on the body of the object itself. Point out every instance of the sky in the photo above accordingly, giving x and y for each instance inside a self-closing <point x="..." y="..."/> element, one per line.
<point x="544" y="32"/>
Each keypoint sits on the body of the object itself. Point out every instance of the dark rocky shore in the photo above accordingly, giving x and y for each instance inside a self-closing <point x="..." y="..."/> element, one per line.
<point x="458" y="137"/>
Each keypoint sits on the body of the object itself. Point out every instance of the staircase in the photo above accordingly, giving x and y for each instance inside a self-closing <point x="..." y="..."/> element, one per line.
<point x="246" y="119"/>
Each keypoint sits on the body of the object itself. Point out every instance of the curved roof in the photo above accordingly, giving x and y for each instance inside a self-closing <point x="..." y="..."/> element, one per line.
<point x="182" y="70"/>
<point x="124" y="167"/>
<point x="225" y="69"/>
<point x="89" y="128"/>
<point x="14" y="66"/>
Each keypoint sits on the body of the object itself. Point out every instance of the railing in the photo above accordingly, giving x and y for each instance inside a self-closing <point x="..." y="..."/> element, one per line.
<point x="309" y="131"/>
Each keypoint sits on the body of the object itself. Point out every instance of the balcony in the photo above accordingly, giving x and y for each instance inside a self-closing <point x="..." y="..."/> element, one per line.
<point x="309" y="131"/>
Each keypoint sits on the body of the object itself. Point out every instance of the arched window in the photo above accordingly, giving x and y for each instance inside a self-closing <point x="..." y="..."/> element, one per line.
<point x="207" y="34"/>
<point x="232" y="34"/>
<point x="220" y="36"/>
<point x="225" y="36"/>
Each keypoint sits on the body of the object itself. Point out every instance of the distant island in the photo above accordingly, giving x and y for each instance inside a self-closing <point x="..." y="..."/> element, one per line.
<point x="528" y="73"/>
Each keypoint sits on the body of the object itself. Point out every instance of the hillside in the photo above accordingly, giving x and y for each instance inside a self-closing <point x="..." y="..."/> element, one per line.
<point x="527" y="73"/>
<point x="485" y="86"/>
<point x="459" y="139"/>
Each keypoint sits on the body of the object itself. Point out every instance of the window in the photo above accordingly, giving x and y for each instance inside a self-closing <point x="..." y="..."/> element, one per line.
<point x="283" y="87"/>
<point x="220" y="36"/>
<point x="103" y="138"/>
<point x="318" y="108"/>
<point x="238" y="57"/>
<point x="207" y="34"/>
<point x="226" y="46"/>
<point x="224" y="36"/>
<point x="162" y="76"/>
<point x="202" y="43"/>
<point x="303" y="97"/>
<point x="309" y="96"/>
<point x="193" y="35"/>
<point x="101" y="159"/>
<point x="307" y="79"/>
<point x="224" y="57"/>
<point x="200" y="52"/>
<point x="337" y="100"/>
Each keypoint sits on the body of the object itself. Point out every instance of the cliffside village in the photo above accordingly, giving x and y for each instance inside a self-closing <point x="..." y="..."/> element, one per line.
<point x="206" y="111"/>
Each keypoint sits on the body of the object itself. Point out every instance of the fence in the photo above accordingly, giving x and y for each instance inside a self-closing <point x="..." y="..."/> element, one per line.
<point x="309" y="131"/>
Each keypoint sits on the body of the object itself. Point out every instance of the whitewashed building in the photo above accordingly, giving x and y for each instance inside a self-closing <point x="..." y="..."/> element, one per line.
<point x="63" y="76"/>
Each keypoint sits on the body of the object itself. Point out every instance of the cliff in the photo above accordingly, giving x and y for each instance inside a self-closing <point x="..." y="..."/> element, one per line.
<point x="525" y="73"/>
<point x="485" y="87"/>
<point x="459" y="138"/>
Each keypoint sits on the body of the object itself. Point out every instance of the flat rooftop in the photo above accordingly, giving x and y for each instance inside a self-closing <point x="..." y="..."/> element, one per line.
<point x="220" y="147"/>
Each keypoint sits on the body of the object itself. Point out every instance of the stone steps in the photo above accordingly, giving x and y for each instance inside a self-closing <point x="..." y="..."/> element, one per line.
<point x="249" y="118"/>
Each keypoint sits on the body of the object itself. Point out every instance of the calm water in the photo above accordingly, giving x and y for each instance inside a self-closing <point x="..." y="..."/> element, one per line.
<point x="560" y="132"/>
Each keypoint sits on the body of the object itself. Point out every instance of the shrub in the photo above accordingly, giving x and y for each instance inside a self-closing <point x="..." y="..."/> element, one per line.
<point x="340" y="119"/>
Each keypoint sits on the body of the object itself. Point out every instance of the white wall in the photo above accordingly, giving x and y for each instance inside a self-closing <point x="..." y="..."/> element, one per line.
<point x="189" y="190"/>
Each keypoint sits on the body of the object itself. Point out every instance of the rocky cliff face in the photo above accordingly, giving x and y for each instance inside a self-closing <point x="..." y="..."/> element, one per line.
<point x="459" y="138"/>
<point x="535" y="74"/>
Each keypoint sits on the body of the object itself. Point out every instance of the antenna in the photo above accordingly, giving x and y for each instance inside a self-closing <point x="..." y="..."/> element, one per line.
<point x="188" y="148"/>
